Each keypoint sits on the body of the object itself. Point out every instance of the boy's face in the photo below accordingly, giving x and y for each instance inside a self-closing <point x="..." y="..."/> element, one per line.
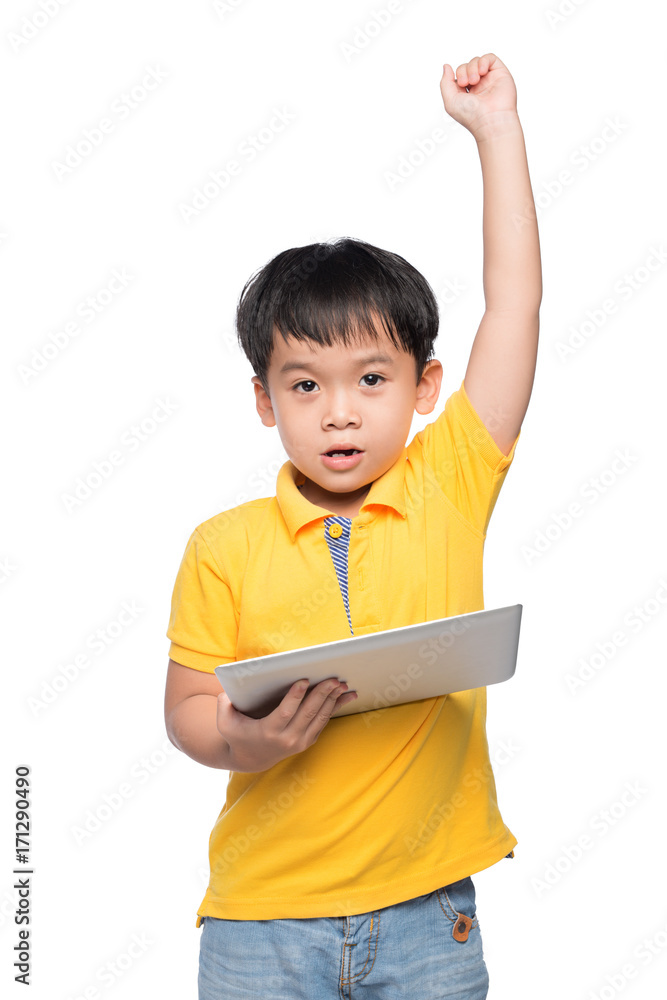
<point x="362" y="396"/>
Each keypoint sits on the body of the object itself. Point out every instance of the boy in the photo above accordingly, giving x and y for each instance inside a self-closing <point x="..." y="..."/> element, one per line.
<point x="361" y="832"/>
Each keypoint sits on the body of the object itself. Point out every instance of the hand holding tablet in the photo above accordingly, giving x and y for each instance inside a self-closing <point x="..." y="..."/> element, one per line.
<point x="385" y="668"/>
<point x="258" y="744"/>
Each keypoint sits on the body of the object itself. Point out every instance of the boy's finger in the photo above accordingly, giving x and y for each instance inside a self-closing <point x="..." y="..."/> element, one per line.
<point x="449" y="87"/>
<point x="225" y="716"/>
<point x="319" y="713"/>
<point x="462" y="75"/>
<point x="289" y="706"/>
<point x="351" y="696"/>
<point x="473" y="71"/>
<point x="448" y="80"/>
<point x="303" y="711"/>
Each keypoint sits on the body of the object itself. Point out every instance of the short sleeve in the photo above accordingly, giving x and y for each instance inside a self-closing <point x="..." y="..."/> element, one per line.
<point x="203" y="624"/>
<point x="467" y="463"/>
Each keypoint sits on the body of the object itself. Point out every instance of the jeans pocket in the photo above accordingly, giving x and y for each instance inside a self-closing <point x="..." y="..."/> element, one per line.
<point x="458" y="897"/>
<point x="457" y="903"/>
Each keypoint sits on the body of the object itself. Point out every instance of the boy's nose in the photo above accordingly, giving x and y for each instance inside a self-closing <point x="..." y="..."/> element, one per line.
<point x="341" y="412"/>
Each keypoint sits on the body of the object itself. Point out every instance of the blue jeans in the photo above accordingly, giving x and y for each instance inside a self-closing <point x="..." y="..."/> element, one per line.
<point x="406" y="952"/>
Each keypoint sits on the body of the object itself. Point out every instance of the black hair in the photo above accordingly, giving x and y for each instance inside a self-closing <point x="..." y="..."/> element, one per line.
<point x="328" y="292"/>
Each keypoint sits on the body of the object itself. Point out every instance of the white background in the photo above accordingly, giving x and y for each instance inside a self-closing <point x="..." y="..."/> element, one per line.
<point x="552" y="926"/>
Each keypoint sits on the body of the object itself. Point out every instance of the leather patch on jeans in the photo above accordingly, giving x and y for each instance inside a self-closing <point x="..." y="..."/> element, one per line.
<point x="461" y="927"/>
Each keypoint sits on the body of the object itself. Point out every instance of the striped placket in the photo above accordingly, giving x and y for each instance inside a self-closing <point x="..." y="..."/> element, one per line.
<point x="337" y="533"/>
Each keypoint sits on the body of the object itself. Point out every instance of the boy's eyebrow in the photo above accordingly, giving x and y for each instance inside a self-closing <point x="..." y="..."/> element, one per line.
<point x="370" y="359"/>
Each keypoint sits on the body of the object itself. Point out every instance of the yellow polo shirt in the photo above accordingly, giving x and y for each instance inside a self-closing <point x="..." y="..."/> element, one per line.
<point x="388" y="804"/>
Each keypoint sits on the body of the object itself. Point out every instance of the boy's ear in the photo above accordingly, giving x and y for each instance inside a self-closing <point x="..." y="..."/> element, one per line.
<point x="428" y="389"/>
<point x="263" y="403"/>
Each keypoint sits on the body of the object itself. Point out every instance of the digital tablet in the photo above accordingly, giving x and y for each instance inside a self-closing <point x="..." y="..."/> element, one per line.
<point x="386" y="668"/>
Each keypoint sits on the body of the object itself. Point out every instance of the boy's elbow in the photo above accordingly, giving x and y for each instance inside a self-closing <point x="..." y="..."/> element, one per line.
<point x="176" y="721"/>
<point x="171" y="736"/>
<point x="171" y="729"/>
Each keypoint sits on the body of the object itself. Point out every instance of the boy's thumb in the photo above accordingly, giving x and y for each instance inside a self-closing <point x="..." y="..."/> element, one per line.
<point x="448" y="84"/>
<point x="225" y="711"/>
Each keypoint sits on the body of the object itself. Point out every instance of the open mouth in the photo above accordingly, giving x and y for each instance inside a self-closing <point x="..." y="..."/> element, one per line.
<point x="349" y="451"/>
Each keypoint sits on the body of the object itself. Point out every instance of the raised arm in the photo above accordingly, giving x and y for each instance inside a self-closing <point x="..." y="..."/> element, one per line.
<point x="500" y="373"/>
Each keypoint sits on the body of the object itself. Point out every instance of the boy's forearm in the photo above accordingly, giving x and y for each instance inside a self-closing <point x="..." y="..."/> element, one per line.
<point x="512" y="266"/>
<point x="191" y="726"/>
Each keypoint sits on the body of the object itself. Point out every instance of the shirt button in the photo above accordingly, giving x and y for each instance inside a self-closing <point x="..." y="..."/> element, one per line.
<point x="335" y="530"/>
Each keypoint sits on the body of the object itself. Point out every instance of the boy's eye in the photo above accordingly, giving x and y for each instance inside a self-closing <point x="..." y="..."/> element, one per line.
<point x="374" y="375"/>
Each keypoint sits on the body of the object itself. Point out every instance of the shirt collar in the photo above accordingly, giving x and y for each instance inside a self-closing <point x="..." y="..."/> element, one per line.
<point x="388" y="490"/>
